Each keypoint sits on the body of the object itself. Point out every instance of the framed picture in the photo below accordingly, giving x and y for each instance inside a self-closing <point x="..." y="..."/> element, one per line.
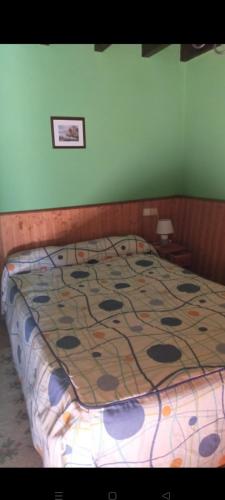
<point x="68" y="132"/>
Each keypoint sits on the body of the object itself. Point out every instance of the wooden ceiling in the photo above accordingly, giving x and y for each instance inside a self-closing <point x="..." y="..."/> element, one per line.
<point x="187" y="51"/>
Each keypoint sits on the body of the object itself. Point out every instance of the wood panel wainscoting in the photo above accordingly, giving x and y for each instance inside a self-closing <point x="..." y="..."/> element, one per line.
<point x="199" y="226"/>
<point x="32" y="229"/>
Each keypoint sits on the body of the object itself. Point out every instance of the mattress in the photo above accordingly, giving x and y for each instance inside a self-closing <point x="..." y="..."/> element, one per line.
<point x="120" y="354"/>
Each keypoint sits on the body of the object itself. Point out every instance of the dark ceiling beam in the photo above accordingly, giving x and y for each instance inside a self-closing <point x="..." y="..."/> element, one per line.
<point x="187" y="51"/>
<point x="100" y="47"/>
<point x="149" y="49"/>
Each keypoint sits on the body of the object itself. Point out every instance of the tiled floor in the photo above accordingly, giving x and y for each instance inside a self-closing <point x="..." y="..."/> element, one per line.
<point x="16" y="446"/>
<point x="4" y="336"/>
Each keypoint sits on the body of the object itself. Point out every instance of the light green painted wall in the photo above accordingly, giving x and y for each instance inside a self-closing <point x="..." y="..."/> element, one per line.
<point x="133" y="108"/>
<point x="204" y="153"/>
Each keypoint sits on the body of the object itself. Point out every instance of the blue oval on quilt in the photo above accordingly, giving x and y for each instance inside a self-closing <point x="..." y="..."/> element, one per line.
<point x="122" y="285"/>
<point x="96" y="354"/>
<point x="58" y="383"/>
<point x="164" y="353"/>
<point x="171" y="321"/>
<point x="144" y="263"/>
<point x="110" y="305"/>
<point x="136" y="328"/>
<point x="188" y="288"/>
<point x="203" y="329"/>
<point x="193" y="420"/>
<point x="41" y="299"/>
<point x="13" y="292"/>
<point x="29" y="326"/>
<point x="67" y="320"/>
<point x="68" y="450"/>
<point x="107" y="382"/>
<point x="156" y="302"/>
<point x="80" y="274"/>
<point x="209" y="445"/>
<point x="68" y="342"/>
<point x="124" y="420"/>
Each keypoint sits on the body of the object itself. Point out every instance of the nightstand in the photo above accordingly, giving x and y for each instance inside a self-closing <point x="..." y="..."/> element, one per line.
<point x="176" y="253"/>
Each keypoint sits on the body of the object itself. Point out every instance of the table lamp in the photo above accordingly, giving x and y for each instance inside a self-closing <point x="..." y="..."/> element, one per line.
<point x="164" y="227"/>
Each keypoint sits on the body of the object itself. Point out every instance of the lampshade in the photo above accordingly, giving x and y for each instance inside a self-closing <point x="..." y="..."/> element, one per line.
<point x="164" y="226"/>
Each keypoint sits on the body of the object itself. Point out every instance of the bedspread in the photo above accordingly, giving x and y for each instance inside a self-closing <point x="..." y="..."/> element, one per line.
<point x="121" y="361"/>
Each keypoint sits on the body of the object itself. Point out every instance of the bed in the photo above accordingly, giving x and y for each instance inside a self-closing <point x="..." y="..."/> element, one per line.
<point x="120" y="354"/>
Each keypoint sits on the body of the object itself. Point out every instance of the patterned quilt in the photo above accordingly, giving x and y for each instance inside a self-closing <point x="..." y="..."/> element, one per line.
<point x="121" y="355"/>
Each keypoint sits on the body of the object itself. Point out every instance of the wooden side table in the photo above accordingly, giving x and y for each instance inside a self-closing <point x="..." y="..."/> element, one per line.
<point x="174" y="252"/>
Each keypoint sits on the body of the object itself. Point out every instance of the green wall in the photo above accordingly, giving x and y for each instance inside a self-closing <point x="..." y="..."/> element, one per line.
<point x="134" y="114"/>
<point x="204" y="152"/>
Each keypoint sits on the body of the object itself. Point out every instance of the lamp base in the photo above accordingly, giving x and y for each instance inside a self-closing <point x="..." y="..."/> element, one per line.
<point x="164" y="239"/>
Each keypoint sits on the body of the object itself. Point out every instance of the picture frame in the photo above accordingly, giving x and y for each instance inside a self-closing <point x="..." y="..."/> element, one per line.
<point x="68" y="132"/>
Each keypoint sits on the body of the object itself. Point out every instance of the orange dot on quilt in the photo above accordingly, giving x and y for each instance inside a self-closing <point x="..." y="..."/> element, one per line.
<point x="81" y="254"/>
<point x="144" y="315"/>
<point x="141" y="280"/>
<point x="99" y="335"/>
<point x="177" y="462"/>
<point x="194" y="313"/>
<point x="129" y="358"/>
<point x="166" y="411"/>
<point x="107" y="257"/>
<point x="66" y="417"/>
<point x="38" y="450"/>
<point x="66" y="293"/>
<point x="140" y="244"/>
<point x="221" y="461"/>
<point x="10" y="267"/>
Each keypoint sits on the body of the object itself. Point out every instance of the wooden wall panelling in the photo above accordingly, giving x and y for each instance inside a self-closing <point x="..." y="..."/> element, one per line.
<point x="204" y="240"/>
<point x="193" y="229"/>
<point x="51" y="227"/>
<point x="199" y="224"/>
<point x="165" y="210"/>
<point x="216" y="264"/>
<point x="178" y="217"/>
